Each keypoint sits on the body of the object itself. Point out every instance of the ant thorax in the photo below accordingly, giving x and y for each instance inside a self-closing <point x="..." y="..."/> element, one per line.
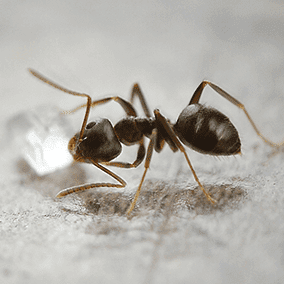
<point x="207" y="130"/>
<point x="130" y="130"/>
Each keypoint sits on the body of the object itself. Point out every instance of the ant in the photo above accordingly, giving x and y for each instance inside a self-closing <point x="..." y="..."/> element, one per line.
<point x="204" y="129"/>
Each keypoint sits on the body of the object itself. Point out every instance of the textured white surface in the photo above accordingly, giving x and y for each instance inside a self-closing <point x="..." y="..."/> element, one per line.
<point x="102" y="48"/>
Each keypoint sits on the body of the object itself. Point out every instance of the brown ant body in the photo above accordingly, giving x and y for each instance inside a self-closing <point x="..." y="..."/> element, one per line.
<point x="201" y="128"/>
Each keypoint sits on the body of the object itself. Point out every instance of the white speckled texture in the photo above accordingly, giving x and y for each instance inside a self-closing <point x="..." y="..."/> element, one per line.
<point x="175" y="236"/>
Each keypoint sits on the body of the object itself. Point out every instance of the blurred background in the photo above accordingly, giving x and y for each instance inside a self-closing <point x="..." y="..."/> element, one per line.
<point x="169" y="47"/>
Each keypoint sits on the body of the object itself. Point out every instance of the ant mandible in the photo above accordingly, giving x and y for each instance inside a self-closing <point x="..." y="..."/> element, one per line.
<point x="204" y="129"/>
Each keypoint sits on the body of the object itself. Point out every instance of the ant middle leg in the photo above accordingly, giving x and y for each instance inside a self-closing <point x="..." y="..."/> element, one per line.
<point x="172" y="136"/>
<point x="198" y="92"/>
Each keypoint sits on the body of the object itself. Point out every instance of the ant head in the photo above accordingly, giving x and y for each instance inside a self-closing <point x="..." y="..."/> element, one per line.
<point x="208" y="131"/>
<point x="99" y="143"/>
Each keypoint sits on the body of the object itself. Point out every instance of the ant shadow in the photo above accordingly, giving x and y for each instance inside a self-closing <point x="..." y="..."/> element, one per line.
<point x="165" y="198"/>
<point x="158" y="197"/>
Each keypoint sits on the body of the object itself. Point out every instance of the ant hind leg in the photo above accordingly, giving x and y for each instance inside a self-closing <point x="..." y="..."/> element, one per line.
<point x="198" y="92"/>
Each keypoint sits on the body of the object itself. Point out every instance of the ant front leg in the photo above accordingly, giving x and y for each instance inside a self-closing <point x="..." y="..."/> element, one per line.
<point x="198" y="92"/>
<point x="83" y="187"/>
<point x="136" y="163"/>
<point x="146" y="166"/>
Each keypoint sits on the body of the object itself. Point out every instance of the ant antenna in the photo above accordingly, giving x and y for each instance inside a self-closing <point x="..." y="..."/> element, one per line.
<point x="56" y="86"/>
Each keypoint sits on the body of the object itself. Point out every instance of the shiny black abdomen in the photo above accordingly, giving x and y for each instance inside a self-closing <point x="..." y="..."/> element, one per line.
<point x="207" y="130"/>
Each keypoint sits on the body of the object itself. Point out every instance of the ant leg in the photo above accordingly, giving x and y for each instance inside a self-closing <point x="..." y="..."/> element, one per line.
<point x="158" y="145"/>
<point x="147" y="163"/>
<point x="128" y="108"/>
<point x="136" y="163"/>
<point x="197" y="94"/>
<point x="73" y="189"/>
<point x="56" y="86"/>
<point x="137" y="91"/>
<point x="167" y="127"/>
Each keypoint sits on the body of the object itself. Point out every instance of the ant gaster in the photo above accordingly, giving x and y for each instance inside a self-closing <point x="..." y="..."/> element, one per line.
<point x="201" y="128"/>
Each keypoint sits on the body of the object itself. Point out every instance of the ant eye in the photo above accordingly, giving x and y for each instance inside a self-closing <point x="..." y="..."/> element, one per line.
<point x="90" y="125"/>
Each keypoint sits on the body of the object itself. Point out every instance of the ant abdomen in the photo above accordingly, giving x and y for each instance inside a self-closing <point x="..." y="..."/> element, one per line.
<point x="207" y="130"/>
